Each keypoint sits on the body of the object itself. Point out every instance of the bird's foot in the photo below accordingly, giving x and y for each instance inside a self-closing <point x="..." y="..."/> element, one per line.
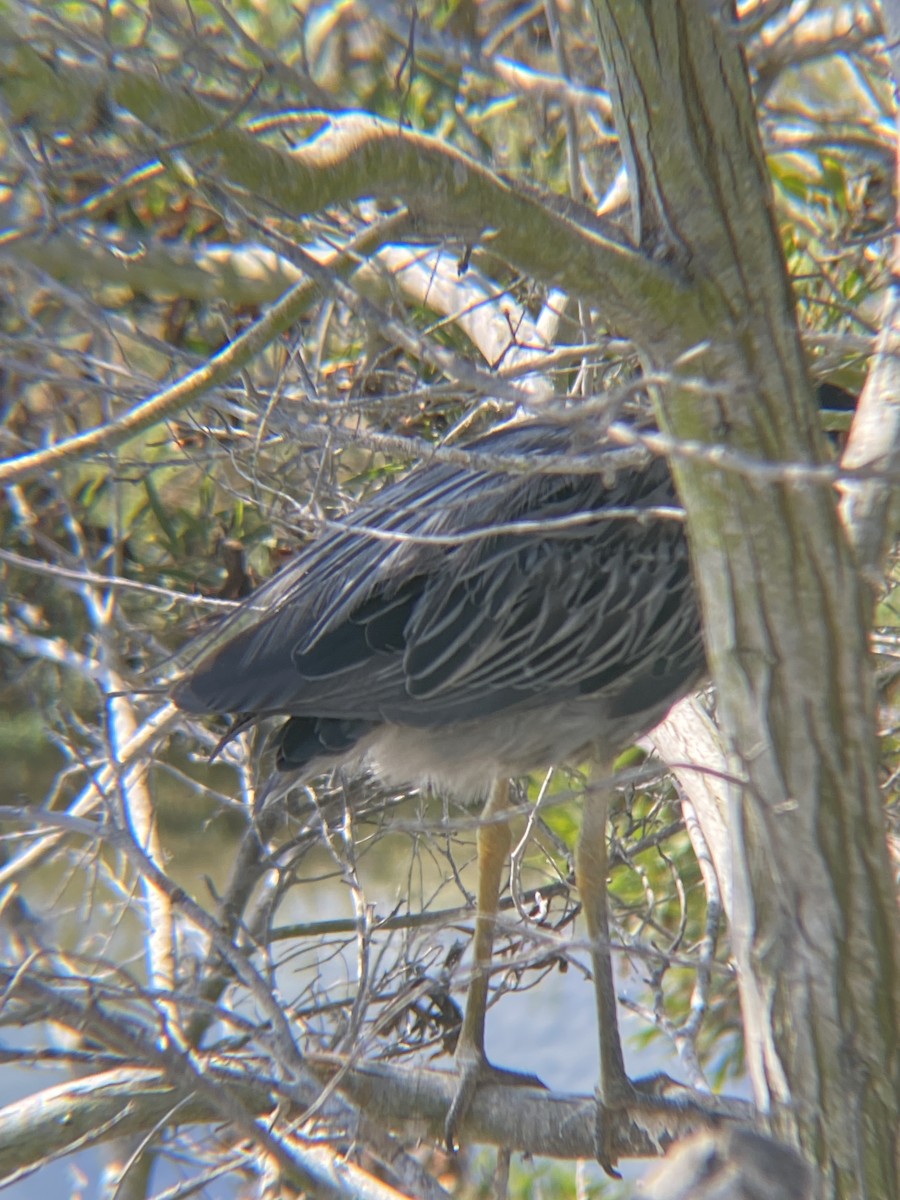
<point x="604" y="1137"/>
<point x="612" y="1111"/>
<point x="623" y="1100"/>
<point x="473" y="1070"/>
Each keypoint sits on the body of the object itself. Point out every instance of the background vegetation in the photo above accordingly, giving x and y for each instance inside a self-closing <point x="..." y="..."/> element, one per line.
<point x="257" y="259"/>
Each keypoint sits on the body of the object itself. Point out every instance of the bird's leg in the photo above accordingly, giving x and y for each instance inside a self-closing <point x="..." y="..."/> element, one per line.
<point x="493" y="850"/>
<point x="591" y="868"/>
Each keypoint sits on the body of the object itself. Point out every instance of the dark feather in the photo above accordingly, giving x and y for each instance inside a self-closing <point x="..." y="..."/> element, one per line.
<point x="451" y="622"/>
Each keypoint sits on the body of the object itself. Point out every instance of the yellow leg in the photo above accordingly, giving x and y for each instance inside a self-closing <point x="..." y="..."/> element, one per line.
<point x="591" y="869"/>
<point x="493" y="851"/>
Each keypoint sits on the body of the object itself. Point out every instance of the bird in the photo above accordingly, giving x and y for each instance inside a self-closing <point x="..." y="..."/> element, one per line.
<point x="470" y="623"/>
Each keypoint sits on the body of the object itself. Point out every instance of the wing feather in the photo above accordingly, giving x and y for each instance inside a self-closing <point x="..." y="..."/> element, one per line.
<point x="432" y="627"/>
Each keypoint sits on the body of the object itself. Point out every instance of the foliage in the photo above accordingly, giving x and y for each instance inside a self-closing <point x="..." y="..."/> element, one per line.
<point x="131" y="258"/>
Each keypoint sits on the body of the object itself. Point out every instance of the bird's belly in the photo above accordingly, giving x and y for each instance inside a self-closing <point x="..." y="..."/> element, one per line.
<point x="465" y="758"/>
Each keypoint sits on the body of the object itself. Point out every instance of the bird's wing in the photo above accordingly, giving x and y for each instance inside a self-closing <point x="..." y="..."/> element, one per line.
<point x="424" y="613"/>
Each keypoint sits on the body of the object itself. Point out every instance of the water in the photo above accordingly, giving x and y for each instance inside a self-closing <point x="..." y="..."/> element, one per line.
<point x="549" y="1031"/>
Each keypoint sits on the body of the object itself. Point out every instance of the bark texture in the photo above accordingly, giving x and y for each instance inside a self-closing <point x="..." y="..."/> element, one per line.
<point x="815" y="920"/>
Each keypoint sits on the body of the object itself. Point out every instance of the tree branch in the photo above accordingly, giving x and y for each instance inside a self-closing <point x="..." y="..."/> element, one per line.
<point x="355" y="156"/>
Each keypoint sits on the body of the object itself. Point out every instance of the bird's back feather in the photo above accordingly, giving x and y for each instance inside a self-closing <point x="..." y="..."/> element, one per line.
<point x="459" y="597"/>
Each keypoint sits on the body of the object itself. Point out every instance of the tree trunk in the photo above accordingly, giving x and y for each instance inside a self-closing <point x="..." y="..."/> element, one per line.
<point x="787" y="614"/>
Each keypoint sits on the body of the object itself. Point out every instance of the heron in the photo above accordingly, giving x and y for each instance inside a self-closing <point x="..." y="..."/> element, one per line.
<point x="470" y="624"/>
